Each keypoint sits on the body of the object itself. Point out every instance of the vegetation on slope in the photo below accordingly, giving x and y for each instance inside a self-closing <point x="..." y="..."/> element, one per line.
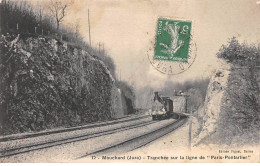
<point x="239" y="121"/>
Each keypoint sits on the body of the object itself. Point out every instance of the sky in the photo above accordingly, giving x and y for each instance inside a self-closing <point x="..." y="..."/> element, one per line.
<point x="127" y="29"/>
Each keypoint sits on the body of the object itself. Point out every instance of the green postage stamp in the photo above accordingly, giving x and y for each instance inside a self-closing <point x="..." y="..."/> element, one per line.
<point x="173" y="40"/>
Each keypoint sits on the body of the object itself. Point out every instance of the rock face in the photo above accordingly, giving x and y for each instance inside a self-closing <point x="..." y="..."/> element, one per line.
<point x="46" y="83"/>
<point x="118" y="103"/>
<point x="213" y="102"/>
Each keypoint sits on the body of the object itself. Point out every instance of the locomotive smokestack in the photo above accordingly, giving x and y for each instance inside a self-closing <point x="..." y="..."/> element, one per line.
<point x="156" y="96"/>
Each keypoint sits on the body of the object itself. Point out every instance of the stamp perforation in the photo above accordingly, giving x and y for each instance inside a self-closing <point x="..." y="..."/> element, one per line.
<point x="173" y="67"/>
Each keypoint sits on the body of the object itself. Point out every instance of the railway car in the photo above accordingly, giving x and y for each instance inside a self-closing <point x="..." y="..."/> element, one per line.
<point x="162" y="107"/>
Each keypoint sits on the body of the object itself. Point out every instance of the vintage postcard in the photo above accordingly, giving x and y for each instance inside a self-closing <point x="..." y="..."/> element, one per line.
<point x="133" y="81"/>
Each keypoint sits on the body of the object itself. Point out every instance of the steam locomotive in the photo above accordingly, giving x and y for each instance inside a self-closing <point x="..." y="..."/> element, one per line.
<point x="162" y="108"/>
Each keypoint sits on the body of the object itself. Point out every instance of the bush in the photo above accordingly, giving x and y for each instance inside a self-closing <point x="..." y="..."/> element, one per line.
<point x="242" y="54"/>
<point x="21" y="13"/>
<point x="240" y="115"/>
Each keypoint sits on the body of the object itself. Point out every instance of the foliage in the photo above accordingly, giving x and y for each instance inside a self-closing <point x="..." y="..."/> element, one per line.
<point x="20" y="17"/>
<point x="240" y="114"/>
<point x="242" y="54"/>
<point x="58" y="10"/>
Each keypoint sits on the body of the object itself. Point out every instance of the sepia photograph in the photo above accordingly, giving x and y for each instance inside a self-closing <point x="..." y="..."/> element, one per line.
<point x="129" y="81"/>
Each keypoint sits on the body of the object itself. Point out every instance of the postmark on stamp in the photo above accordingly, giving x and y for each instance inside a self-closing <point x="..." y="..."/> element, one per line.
<point x="174" y="51"/>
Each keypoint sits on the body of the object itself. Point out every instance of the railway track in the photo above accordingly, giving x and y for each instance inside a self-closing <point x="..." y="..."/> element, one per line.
<point x="138" y="141"/>
<point x="98" y="124"/>
<point x="32" y="147"/>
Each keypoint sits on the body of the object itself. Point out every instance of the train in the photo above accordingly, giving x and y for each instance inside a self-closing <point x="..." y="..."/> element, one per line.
<point x="162" y="108"/>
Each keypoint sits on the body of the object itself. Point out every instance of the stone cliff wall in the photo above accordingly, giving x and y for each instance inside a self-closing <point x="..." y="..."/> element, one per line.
<point x="210" y="112"/>
<point x="47" y="83"/>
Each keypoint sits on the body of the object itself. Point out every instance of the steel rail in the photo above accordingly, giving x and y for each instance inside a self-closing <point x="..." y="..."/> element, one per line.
<point x="98" y="124"/>
<point x="28" y="148"/>
<point x="141" y="140"/>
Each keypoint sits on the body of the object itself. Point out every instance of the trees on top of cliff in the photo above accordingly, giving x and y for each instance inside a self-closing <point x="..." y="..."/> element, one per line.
<point x="11" y="14"/>
<point x="29" y="17"/>
<point x="240" y="111"/>
<point x="58" y="9"/>
<point x="44" y="18"/>
<point x="24" y="18"/>
<point x="237" y="53"/>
